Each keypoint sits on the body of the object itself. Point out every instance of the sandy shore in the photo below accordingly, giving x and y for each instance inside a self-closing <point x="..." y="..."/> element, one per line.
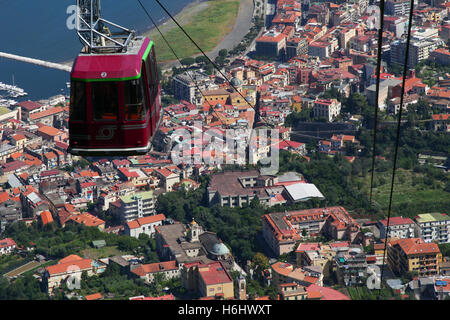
<point x="184" y="16"/>
<point x="241" y="27"/>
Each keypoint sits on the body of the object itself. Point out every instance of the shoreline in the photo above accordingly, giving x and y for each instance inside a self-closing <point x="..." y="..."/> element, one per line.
<point x="241" y="27"/>
<point x="178" y="16"/>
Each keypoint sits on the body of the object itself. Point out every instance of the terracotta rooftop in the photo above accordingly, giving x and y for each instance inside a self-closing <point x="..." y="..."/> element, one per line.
<point x="146" y="220"/>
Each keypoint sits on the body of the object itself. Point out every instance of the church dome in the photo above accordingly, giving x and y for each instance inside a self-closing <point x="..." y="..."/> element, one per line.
<point x="220" y="249"/>
<point x="236" y="82"/>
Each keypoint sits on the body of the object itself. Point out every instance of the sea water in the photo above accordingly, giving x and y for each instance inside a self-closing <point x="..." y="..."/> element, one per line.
<point x="38" y="29"/>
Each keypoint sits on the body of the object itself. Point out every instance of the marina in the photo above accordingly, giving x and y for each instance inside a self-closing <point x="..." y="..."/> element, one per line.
<point x="10" y="92"/>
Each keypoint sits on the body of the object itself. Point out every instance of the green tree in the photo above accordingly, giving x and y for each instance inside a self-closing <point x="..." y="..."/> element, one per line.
<point x="187" y="61"/>
<point x="260" y="262"/>
<point x="223" y="53"/>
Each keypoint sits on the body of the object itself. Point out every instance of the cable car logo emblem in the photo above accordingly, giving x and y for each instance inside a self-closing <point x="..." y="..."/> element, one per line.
<point x="106" y="132"/>
<point x="104" y="74"/>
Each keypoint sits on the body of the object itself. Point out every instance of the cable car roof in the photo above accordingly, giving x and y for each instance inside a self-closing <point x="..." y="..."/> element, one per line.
<point x="112" y="66"/>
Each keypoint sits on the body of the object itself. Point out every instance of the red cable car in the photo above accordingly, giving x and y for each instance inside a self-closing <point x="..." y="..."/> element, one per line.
<point x="115" y="100"/>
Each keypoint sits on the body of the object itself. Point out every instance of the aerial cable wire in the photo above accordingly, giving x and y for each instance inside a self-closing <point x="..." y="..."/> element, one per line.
<point x="203" y="53"/>
<point x="405" y="69"/>
<point x="377" y="94"/>
<point x="179" y="60"/>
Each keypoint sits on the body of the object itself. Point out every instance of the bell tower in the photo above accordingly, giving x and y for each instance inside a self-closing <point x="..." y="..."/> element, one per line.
<point x="195" y="231"/>
<point x="241" y="288"/>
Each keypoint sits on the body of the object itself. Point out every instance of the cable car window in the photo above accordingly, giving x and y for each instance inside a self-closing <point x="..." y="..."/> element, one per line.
<point x="151" y="81"/>
<point x="78" y="101"/>
<point x="153" y="66"/>
<point x="134" y="95"/>
<point x="105" y="101"/>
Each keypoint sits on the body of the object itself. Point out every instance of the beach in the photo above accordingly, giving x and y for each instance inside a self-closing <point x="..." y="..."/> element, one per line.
<point x="184" y="16"/>
<point x="231" y="32"/>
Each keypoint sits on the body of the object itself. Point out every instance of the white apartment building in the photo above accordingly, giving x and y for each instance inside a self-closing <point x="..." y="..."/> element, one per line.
<point x="7" y="246"/>
<point x="399" y="227"/>
<point x="144" y="225"/>
<point x="327" y="108"/>
<point x="434" y="227"/>
<point x="137" y="205"/>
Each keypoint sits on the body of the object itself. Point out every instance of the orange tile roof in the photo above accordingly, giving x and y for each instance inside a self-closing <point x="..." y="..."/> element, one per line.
<point x="72" y="264"/>
<point x="46" y="217"/>
<point x="146" y="220"/>
<point x="413" y="246"/>
<point x="282" y="268"/>
<point x="88" y="173"/>
<point x="70" y="258"/>
<point x="165" y="172"/>
<point x="441" y="116"/>
<point x="94" y="296"/>
<point x="311" y="279"/>
<point x="18" y="137"/>
<point x="46" y="113"/>
<point x="50" y="131"/>
<point x="16" y="155"/>
<point x="50" y="155"/>
<point x="4" y="196"/>
<point x="87" y="219"/>
<point x="144" y="269"/>
<point x="24" y="176"/>
<point x="314" y="295"/>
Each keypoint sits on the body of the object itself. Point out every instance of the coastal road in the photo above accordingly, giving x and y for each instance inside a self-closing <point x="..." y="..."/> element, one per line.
<point x="241" y="27"/>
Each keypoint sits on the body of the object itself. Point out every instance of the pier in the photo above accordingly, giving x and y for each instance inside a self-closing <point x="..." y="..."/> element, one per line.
<point x="38" y="62"/>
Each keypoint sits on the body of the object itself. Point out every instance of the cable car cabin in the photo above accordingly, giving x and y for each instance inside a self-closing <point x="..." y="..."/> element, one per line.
<point x="115" y="102"/>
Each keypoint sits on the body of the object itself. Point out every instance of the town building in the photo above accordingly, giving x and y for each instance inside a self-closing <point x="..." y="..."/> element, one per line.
<point x="301" y="192"/>
<point x="7" y="245"/>
<point x="144" y="225"/>
<point x="414" y="255"/>
<point x="208" y="279"/>
<point x="398" y="7"/>
<point x="148" y="272"/>
<point x="316" y="255"/>
<point x="88" y="220"/>
<point x="419" y="51"/>
<point x="351" y="266"/>
<point x="328" y="109"/>
<point x="281" y="230"/>
<point x="441" y="122"/>
<point x="283" y="272"/>
<point x="236" y="188"/>
<point x="292" y="291"/>
<point x="271" y="44"/>
<point x="187" y="86"/>
<point x="399" y="227"/>
<point x="70" y="268"/>
<point x="135" y="206"/>
<point x="191" y="243"/>
<point x="433" y="227"/>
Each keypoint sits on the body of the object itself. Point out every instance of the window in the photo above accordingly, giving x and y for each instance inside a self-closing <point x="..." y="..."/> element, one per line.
<point x="78" y="101"/>
<point x="105" y="101"/>
<point x="152" y="75"/>
<point x="134" y="99"/>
